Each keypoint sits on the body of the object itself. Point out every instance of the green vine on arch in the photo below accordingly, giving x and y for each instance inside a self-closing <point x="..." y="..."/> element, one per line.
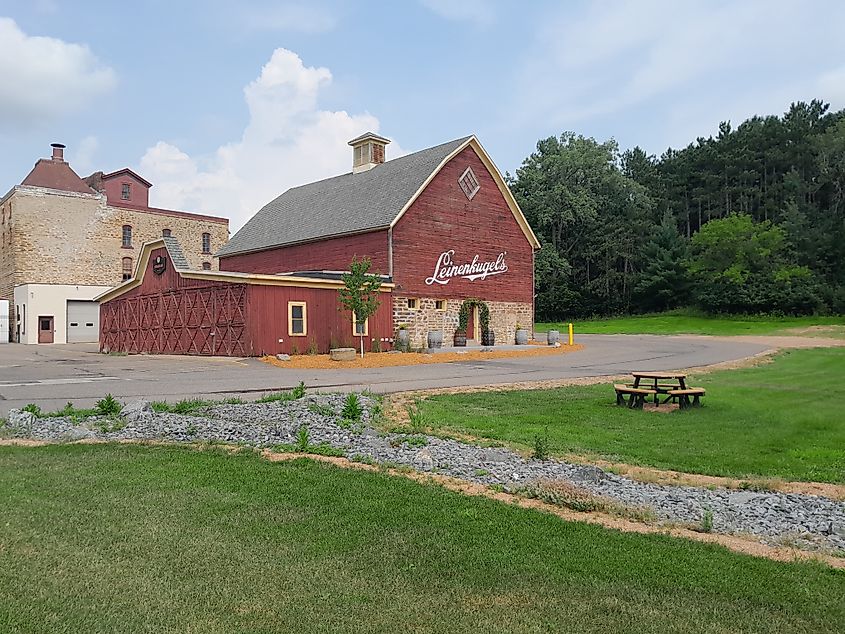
<point x="483" y="315"/>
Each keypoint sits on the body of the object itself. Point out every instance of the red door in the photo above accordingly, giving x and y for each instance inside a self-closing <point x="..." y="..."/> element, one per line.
<point x="45" y="329"/>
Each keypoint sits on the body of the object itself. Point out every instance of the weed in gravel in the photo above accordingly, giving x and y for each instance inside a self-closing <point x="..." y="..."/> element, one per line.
<point x="74" y="414"/>
<point x="292" y="395"/>
<point x="481" y="473"/>
<point x="498" y="488"/>
<point x="108" y="405"/>
<point x="191" y="430"/>
<point x="189" y="406"/>
<point x="363" y="459"/>
<point x="570" y="496"/>
<point x="33" y="409"/>
<point x="352" y="409"/>
<point x="322" y="409"/>
<point x="541" y="446"/>
<point x="110" y="423"/>
<point x="706" y="525"/>
<point x="411" y="441"/>
<point x="234" y="400"/>
<point x="302" y="438"/>
<point x="415" y="416"/>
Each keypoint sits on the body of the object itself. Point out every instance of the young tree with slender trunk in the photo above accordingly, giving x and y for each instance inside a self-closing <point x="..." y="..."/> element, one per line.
<point x="360" y="294"/>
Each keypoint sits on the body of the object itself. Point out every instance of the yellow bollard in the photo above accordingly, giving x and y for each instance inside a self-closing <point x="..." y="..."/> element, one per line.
<point x="571" y="334"/>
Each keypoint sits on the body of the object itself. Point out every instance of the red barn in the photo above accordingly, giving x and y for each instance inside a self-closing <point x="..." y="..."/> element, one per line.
<point x="167" y="308"/>
<point x="441" y="224"/>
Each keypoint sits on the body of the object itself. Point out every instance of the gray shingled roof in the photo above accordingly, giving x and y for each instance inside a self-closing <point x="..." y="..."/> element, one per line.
<point x="177" y="256"/>
<point x="344" y="204"/>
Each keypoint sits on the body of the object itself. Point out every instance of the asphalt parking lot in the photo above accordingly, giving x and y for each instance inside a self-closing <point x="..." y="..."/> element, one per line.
<point x="52" y="375"/>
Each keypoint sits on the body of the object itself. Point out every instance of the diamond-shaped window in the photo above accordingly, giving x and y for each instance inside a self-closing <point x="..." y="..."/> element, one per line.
<point x="469" y="183"/>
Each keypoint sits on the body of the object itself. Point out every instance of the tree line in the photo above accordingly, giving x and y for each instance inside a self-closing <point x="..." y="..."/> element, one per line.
<point x="749" y="221"/>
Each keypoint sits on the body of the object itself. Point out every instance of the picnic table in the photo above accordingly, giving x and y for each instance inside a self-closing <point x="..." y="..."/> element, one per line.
<point x="655" y="384"/>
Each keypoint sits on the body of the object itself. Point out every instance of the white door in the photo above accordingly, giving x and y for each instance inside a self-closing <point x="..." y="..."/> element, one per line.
<point x="83" y="321"/>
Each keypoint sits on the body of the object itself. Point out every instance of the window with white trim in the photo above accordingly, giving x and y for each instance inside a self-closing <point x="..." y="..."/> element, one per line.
<point x="469" y="183"/>
<point x="297" y="319"/>
<point x="360" y="328"/>
<point x="413" y="303"/>
<point x="439" y="304"/>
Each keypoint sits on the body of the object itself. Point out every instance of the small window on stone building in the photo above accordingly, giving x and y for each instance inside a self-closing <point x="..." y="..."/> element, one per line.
<point x="469" y="183"/>
<point x="412" y="303"/>
<point x="127" y="236"/>
<point x="206" y="243"/>
<point x="125" y="191"/>
<point x="439" y="304"/>
<point x="127" y="269"/>
<point x="165" y="233"/>
<point x="206" y="266"/>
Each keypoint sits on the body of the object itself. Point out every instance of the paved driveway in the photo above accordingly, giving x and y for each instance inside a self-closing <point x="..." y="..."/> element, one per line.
<point x="50" y="376"/>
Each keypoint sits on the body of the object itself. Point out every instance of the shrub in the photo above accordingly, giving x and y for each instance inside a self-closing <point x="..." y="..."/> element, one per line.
<point x="108" y="405"/>
<point x="312" y="347"/>
<point x="706" y="525"/>
<point x="352" y="410"/>
<point x="33" y="409"/>
<point x="541" y="446"/>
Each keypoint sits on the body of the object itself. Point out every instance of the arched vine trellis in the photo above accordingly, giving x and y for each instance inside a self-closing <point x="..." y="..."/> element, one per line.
<point x="483" y="315"/>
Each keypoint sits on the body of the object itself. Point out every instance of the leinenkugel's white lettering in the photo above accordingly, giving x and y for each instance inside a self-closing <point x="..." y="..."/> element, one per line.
<point x="446" y="269"/>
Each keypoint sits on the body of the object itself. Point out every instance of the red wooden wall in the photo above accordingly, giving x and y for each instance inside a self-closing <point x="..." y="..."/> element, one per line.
<point x="442" y="219"/>
<point x="328" y="324"/>
<point x="334" y="254"/>
<point x="139" y="193"/>
<point x="169" y="314"/>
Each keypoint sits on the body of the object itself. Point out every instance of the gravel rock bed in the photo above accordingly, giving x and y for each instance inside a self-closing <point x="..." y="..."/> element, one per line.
<point x="804" y="521"/>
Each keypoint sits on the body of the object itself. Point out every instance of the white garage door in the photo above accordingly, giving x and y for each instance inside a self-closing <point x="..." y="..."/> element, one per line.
<point x="83" y="321"/>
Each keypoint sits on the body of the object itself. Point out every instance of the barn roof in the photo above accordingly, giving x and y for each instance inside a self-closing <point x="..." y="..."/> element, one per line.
<point x="354" y="203"/>
<point x="305" y="279"/>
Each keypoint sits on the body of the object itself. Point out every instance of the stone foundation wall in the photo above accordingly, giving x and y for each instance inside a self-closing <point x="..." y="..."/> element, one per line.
<point x="503" y="319"/>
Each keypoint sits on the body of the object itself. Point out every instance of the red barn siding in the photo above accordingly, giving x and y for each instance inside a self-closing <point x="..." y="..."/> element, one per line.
<point x="328" y="325"/>
<point x="442" y="219"/>
<point x="169" y="314"/>
<point x="333" y="254"/>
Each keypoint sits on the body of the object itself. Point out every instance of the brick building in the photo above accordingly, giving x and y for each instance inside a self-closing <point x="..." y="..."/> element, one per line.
<point x="64" y="240"/>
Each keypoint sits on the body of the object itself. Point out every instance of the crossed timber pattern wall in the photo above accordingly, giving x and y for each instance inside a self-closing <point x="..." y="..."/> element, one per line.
<point x="200" y="321"/>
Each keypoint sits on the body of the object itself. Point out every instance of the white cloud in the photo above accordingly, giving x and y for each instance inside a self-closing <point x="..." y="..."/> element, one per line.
<point x="665" y="57"/>
<point x="288" y="17"/>
<point x="288" y="141"/>
<point x="479" y="12"/>
<point x="44" y="78"/>
<point x="84" y="155"/>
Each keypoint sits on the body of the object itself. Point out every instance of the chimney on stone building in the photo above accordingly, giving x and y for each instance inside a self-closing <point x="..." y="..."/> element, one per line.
<point x="367" y="151"/>
<point x="58" y="152"/>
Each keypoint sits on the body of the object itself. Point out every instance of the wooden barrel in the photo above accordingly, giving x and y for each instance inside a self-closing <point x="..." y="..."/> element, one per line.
<point x="488" y="338"/>
<point x="553" y="337"/>
<point x="521" y="337"/>
<point x="435" y="339"/>
<point x="460" y="339"/>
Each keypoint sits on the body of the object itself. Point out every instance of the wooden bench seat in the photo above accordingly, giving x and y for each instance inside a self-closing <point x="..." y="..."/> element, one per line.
<point x="636" y="395"/>
<point x="682" y="396"/>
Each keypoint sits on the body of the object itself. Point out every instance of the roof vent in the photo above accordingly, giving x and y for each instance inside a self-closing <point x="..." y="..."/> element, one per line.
<point x="58" y="152"/>
<point x="367" y="151"/>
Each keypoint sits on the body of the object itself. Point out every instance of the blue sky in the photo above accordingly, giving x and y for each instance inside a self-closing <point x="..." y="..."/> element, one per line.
<point x="223" y="106"/>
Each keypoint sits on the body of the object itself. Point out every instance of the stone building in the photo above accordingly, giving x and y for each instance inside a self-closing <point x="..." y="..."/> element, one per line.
<point x="64" y="240"/>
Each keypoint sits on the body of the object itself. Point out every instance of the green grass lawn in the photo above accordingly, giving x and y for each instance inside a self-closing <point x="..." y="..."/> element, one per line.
<point x="117" y="538"/>
<point x="783" y="419"/>
<point x="686" y="322"/>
